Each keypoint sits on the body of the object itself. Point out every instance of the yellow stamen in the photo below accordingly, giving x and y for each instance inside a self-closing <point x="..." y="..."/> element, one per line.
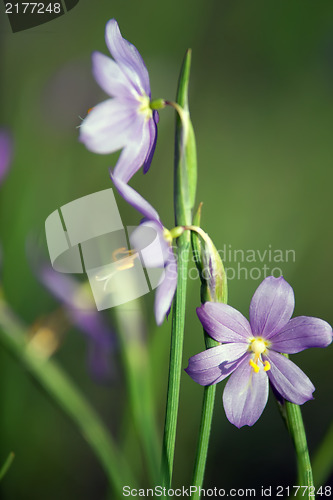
<point x="267" y="366"/>
<point x="254" y="366"/>
<point x="127" y="261"/>
<point x="258" y="346"/>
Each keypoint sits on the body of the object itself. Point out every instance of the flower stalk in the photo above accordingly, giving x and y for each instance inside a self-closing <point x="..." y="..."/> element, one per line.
<point x="297" y="433"/>
<point x="208" y="292"/>
<point x="184" y="194"/>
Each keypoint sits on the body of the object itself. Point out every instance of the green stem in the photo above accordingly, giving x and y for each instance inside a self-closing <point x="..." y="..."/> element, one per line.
<point x="323" y="459"/>
<point x="184" y="193"/>
<point x="175" y="366"/>
<point x="135" y="358"/>
<point x="217" y="292"/>
<point x="6" y="465"/>
<point x="204" y="432"/>
<point x="297" y="432"/>
<point x="64" y="392"/>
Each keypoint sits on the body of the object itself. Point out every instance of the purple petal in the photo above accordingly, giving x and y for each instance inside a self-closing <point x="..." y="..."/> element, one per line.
<point x="166" y="290"/>
<point x="301" y="333"/>
<point x="79" y="303"/>
<point x="134" y="199"/>
<point x="91" y="323"/>
<point x="224" y="323"/>
<point x="128" y="58"/>
<point x="271" y="307"/>
<point x="134" y="154"/>
<point x="245" y="395"/>
<point x="148" y="238"/>
<point x="5" y="152"/>
<point x="111" y="78"/>
<point x="288" y="379"/>
<point x="61" y="286"/>
<point x="215" y="364"/>
<point x="153" y="138"/>
<point x="110" y="126"/>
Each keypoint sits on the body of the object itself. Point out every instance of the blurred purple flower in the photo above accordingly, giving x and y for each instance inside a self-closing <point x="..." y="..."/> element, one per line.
<point x="251" y="352"/>
<point x="5" y="152"/>
<point x="159" y="254"/>
<point x="79" y="304"/>
<point x="127" y="121"/>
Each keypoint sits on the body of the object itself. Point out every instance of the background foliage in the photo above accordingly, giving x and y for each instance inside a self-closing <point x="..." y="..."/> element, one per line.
<point x="261" y="105"/>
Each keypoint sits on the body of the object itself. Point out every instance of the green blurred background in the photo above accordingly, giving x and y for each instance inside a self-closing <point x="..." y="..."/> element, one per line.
<point x="261" y="105"/>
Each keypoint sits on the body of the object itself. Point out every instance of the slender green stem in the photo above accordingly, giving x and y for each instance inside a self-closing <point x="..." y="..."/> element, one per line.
<point x="64" y="392"/>
<point x="184" y="194"/>
<point x="204" y="431"/>
<point x="213" y="288"/>
<point x="135" y="358"/>
<point x="175" y="366"/>
<point x="6" y="465"/>
<point x="323" y="459"/>
<point x="297" y="432"/>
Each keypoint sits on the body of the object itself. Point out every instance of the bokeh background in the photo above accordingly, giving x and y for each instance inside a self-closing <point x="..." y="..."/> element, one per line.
<point x="261" y="105"/>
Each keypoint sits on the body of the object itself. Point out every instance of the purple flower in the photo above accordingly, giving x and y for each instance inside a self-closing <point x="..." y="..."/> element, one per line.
<point x="81" y="310"/>
<point x="5" y="153"/>
<point x="158" y="254"/>
<point x="126" y="121"/>
<point x="251" y="351"/>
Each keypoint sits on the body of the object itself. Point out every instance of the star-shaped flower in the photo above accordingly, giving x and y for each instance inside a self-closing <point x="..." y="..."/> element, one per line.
<point x="127" y="121"/>
<point x="251" y="351"/>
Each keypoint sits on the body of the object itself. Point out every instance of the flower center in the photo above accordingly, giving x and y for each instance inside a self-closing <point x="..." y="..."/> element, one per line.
<point x="144" y="107"/>
<point x="258" y="346"/>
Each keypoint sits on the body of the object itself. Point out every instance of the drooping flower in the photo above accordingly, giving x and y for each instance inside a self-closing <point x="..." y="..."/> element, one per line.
<point x="158" y="255"/>
<point x="251" y="352"/>
<point x="5" y="152"/>
<point x="127" y="120"/>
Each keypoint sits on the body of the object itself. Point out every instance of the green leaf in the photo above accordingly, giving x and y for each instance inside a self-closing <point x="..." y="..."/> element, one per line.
<point x="6" y="465"/>
<point x="68" y="397"/>
<point x="323" y="459"/>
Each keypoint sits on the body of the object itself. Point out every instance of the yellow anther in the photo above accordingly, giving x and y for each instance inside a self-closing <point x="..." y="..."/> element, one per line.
<point x="120" y="251"/>
<point x="267" y="366"/>
<point x="127" y="261"/>
<point x="254" y="366"/>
